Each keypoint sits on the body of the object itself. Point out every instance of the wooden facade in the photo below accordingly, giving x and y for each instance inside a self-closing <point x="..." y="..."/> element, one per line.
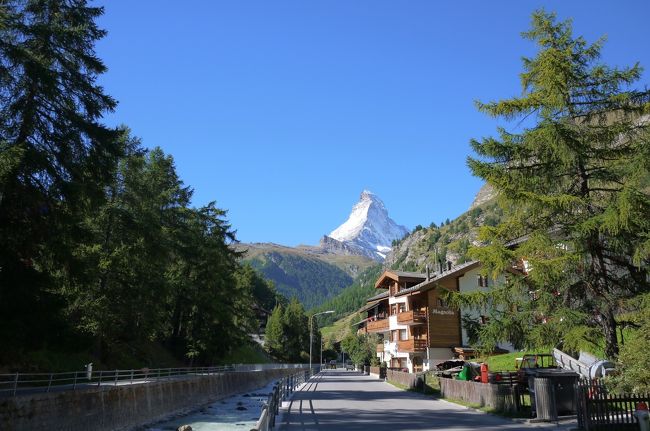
<point x="412" y="317"/>
<point x="444" y="323"/>
<point x="379" y="325"/>
<point x="412" y="345"/>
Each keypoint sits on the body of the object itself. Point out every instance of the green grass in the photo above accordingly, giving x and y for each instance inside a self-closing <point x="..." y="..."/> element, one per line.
<point x="247" y="354"/>
<point x="506" y="361"/>
<point x="340" y="328"/>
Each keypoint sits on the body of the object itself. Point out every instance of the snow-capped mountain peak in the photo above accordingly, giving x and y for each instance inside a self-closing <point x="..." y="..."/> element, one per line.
<point x="368" y="229"/>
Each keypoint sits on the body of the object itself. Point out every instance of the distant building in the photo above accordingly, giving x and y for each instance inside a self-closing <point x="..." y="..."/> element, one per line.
<point x="417" y="327"/>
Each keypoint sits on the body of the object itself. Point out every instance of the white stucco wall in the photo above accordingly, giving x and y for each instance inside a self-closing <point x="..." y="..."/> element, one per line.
<point x="469" y="283"/>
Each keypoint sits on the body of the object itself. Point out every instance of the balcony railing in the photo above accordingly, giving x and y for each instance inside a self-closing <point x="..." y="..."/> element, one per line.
<point x="380" y="348"/>
<point x="412" y="317"/>
<point x="380" y="325"/>
<point x="412" y="345"/>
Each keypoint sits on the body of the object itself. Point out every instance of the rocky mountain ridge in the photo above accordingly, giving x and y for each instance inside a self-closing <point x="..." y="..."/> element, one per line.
<point x="436" y="245"/>
<point x="369" y="231"/>
<point x="315" y="274"/>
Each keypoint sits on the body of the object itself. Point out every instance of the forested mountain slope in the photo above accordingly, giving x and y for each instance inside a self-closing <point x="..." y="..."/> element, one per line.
<point x="435" y="245"/>
<point x="351" y="298"/>
<point x="309" y="276"/>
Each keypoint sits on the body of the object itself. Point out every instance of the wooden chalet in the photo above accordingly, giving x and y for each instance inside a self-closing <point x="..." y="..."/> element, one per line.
<point x="417" y="328"/>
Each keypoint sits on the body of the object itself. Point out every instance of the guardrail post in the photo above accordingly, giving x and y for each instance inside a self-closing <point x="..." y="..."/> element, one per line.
<point x="15" y="384"/>
<point x="99" y="382"/>
<point x="131" y="376"/>
<point x="116" y="374"/>
<point x="49" y="383"/>
<point x="286" y="388"/>
<point x="74" y="385"/>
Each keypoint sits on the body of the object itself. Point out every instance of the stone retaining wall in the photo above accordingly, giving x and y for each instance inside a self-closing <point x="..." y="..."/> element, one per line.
<point x="125" y="407"/>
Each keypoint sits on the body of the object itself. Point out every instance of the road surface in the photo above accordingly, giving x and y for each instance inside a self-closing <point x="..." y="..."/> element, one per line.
<point x="350" y="401"/>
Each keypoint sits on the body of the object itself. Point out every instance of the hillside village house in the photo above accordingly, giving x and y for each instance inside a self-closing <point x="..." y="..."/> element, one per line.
<point x="418" y="329"/>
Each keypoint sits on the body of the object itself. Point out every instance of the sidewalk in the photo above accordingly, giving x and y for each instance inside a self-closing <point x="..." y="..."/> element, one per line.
<point x="350" y="401"/>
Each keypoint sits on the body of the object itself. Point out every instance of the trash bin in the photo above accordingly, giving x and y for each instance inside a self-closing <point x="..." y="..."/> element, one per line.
<point x="552" y="393"/>
<point x="545" y="403"/>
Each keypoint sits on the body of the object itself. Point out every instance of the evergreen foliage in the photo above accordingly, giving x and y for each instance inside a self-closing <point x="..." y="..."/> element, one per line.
<point x="633" y="375"/>
<point x="351" y="298"/>
<point x="574" y="184"/>
<point x="361" y="348"/>
<point x="100" y="247"/>
<point x="287" y="333"/>
<point x="306" y="278"/>
<point x="55" y="157"/>
<point x="435" y="245"/>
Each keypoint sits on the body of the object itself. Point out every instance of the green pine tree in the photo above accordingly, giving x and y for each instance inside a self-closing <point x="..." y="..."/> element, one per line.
<point x="575" y="183"/>
<point x="274" y="338"/>
<point x="55" y="155"/>
<point x="296" y="328"/>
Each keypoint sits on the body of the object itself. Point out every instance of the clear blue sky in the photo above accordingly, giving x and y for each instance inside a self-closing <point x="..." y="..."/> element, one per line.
<point x="284" y="111"/>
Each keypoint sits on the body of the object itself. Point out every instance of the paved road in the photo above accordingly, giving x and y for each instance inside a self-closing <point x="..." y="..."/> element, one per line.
<point x="350" y="401"/>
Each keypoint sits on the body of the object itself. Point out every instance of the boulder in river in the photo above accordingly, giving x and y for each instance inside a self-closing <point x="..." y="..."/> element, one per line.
<point x="184" y="428"/>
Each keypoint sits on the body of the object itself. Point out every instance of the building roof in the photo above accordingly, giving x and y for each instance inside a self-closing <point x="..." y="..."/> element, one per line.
<point x="373" y="301"/>
<point x="407" y="274"/>
<point x="378" y="296"/>
<point x="437" y="277"/>
<point x="398" y="276"/>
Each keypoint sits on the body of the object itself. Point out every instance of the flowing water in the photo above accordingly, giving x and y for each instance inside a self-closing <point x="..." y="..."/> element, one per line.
<point x="239" y="412"/>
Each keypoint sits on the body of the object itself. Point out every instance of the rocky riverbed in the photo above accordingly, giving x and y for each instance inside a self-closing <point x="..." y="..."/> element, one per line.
<point x="239" y="412"/>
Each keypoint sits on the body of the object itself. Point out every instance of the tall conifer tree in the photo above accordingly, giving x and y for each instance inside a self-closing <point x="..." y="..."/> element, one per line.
<point x="55" y="155"/>
<point x="575" y="185"/>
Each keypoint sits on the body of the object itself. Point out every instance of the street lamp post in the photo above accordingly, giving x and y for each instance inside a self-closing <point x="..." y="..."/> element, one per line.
<point x="311" y="332"/>
<point x="321" y="352"/>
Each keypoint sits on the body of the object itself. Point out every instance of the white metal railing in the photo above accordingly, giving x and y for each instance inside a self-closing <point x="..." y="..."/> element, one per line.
<point x="282" y="390"/>
<point x="16" y="383"/>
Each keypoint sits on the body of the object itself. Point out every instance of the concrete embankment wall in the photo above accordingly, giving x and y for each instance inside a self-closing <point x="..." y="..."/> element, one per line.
<point x="125" y="407"/>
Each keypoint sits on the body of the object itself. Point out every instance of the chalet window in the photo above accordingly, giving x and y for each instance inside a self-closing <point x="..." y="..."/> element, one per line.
<point x="442" y="303"/>
<point x="393" y="309"/>
<point x="482" y="281"/>
<point x="403" y="335"/>
<point x="402" y="307"/>
<point x="393" y="335"/>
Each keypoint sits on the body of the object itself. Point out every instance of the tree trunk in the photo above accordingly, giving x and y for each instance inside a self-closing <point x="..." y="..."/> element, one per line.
<point x="608" y="324"/>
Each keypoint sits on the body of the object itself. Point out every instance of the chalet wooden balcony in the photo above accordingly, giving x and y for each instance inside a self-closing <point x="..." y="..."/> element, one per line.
<point x="380" y="348"/>
<point x="380" y="325"/>
<point x="412" y="345"/>
<point x="412" y="317"/>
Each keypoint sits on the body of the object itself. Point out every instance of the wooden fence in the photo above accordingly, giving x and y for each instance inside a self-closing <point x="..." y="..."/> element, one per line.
<point x="599" y="410"/>
<point x="409" y="380"/>
<point x="378" y="371"/>
<point x="500" y="397"/>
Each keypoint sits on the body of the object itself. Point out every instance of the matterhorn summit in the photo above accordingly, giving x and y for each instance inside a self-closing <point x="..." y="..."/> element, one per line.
<point x="368" y="231"/>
